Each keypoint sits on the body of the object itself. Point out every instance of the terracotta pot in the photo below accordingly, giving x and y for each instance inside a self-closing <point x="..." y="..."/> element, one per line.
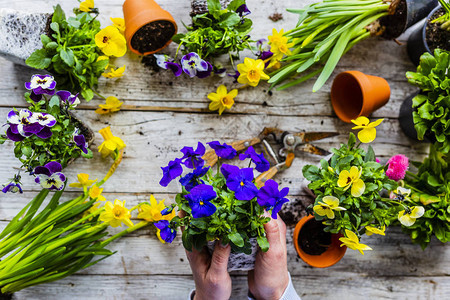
<point x="138" y="13"/>
<point x="330" y="257"/>
<point x="355" y="94"/>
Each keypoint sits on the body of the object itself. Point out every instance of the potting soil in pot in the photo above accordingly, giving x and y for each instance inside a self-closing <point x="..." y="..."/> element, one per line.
<point x="437" y="37"/>
<point x="152" y="36"/>
<point x="312" y="239"/>
<point x="395" y="23"/>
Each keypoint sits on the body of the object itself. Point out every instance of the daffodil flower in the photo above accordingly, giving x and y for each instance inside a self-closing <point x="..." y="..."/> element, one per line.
<point x="373" y="230"/>
<point x="112" y="104"/>
<point x="408" y="216"/>
<point x="279" y="46"/>
<point x="96" y="193"/>
<point x="114" y="73"/>
<point x="83" y="181"/>
<point x="116" y="214"/>
<point x="152" y="212"/>
<point x="119" y="23"/>
<point x="87" y="5"/>
<point x="351" y="240"/>
<point x="327" y="207"/>
<point x="222" y="100"/>
<point x="352" y="179"/>
<point x="251" y="72"/>
<point x="111" y="144"/>
<point x="368" y="132"/>
<point x="111" y="41"/>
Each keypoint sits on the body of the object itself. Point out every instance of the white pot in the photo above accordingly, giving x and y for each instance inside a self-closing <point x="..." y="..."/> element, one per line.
<point x="239" y="261"/>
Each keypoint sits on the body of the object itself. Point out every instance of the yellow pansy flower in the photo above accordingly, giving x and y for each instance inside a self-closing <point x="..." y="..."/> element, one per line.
<point x="152" y="212"/>
<point x="111" y="41"/>
<point x="368" y="132"/>
<point x="222" y="100"/>
<point x="87" y="5"/>
<point x="401" y="194"/>
<point x="373" y="230"/>
<point x="251" y="72"/>
<point x="83" y="181"/>
<point x="119" y="23"/>
<point x="114" y="73"/>
<point x="408" y="216"/>
<point x="279" y="46"/>
<point x="351" y="240"/>
<point x="116" y="214"/>
<point x="111" y="143"/>
<point x="352" y="179"/>
<point x="96" y="193"/>
<point x="112" y="104"/>
<point x="327" y="207"/>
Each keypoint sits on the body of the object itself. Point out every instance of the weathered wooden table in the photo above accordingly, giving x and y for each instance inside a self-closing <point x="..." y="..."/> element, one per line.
<point x="162" y="114"/>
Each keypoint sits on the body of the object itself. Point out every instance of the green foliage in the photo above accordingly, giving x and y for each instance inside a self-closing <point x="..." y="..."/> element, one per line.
<point x="444" y="20"/>
<point x="431" y="113"/>
<point x="70" y="53"/>
<point x="217" y="32"/>
<point x="369" y="208"/>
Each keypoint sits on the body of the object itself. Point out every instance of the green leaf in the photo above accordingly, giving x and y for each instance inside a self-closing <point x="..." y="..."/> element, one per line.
<point x="236" y="239"/>
<point x="55" y="27"/>
<point x="263" y="243"/>
<point x="58" y="14"/>
<point x="370" y="156"/>
<point x="310" y="172"/>
<point x="67" y="56"/>
<point x="51" y="46"/>
<point x="87" y="94"/>
<point x="235" y="4"/>
<point x="229" y="19"/>
<point x="214" y="6"/>
<point x="54" y="102"/>
<point x="426" y="111"/>
<point x="27" y="151"/>
<point x="187" y="240"/>
<point x="45" y="39"/>
<point x="38" y="59"/>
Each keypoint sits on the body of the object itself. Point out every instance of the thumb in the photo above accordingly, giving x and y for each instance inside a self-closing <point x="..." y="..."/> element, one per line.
<point x="273" y="233"/>
<point x="219" y="260"/>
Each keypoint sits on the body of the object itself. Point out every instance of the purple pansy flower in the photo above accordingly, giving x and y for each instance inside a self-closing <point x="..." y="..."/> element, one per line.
<point x="166" y="233"/>
<point x="224" y="151"/>
<point x="204" y="74"/>
<point x="166" y="211"/>
<point x="226" y="170"/>
<point x="243" y="10"/>
<point x="172" y="171"/>
<point x="235" y="76"/>
<point x="261" y="163"/>
<point x="221" y="72"/>
<point x="191" y="64"/>
<point x="190" y="180"/>
<point x="68" y="98"/>
<point x="199" y="201"/>
<point x="166" y="63"/>
<point x="80" y="141"/>
<point x="193" y="159"/>
<point x="50" y="176"/>
<point x="25" y="124"/>
<point x="12" y="187"/>
<point x="271" y="198"/>
<point x="240" y="181"/>
<point x="45" y="119"/>
<point x="41" y="84"/>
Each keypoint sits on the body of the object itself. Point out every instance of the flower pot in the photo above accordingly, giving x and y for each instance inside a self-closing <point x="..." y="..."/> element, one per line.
<point x="20" y="33"/>
<point x="407" y="121"/>
<point x="355" y="94"/>
<point x="406" y="14"/>
<point x="333" y="253"/>
<point x="201" y="6"/>
<point x="419" y="40"/>
<point x="239" y="261"/>
<point x="149" y="28"/>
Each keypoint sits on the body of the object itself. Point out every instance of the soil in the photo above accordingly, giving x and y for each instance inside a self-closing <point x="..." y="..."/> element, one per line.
<point x="152" y="36"/>
<point x="149" y="61"/>
<point x="5" y="296"/>
<point x="394" y="24"/>
<point x="312" y="239"/>
<point x="437" y="37"/>
<point x="276" y="17"/>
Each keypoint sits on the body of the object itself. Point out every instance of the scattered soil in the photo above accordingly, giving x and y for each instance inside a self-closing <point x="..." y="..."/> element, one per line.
<point x="152" y="36"/>
<point x="437" y="37"/>
<point x="312" y="239"/>
<point x="394" y="24"/>
<point x="48" y="31"/>
<point x="5" y="296"/>
<point x="149" y="62"/>
<point x="276" y="17"/>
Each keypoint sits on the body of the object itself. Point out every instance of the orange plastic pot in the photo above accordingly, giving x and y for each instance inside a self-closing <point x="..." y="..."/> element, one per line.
<point x="330" y="257"/>
<point x="355" y="94"/>
<point x="138" y="13"/>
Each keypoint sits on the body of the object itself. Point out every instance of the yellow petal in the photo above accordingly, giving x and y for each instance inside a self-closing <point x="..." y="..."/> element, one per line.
<point x="233" y="93"/>
<point x="221" y="91"/>
<point x="343" y="180"/>
<point x="128" y="222"/>
<point x="318" y="209"/>
<point x="354" y="173"/>
<point x="213" y="97"/>
<point x="330" y="213"/>
<point x="361" y="121"/>
<point x="405" y="219"/>
<point x="375" y="123"/>
<point x="367" y="135"/>
<point x="331" y="201"/>
<point x="358" y="188"/>
<point x="417" y="212"/>
<point x="351" y="235"/>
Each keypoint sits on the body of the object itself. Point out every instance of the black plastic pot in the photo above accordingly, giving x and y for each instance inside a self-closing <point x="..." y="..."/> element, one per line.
<point x="417" y="42"/>
<point x="407" y="122"/>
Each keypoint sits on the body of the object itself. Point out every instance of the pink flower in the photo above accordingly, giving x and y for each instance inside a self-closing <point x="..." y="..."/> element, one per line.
<point x="377" y="160"/>
<point x="398" y="165"/>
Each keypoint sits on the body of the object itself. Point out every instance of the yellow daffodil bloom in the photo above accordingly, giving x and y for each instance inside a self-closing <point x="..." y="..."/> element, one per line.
<point x="327" y="207"/>
<point x="91" y="210"/>
<point x="222" y="100"/>
<point x="152" y="212"/>
<point x="116" y="214"/>
<point x="114" y="73"/>
<point x="352" y="179"/>
<point x="408" y="216"/>
<point x="251" y="72"/>
<point x="96" y="193"/>
<point x="119" y="23"/>
<point x="87" y="5"/>
<point x="83" y="181"/>
<point x="279" y="46"/>
<point x="111" y="143"/>
<point x="373" y="230"/>
<point x="112" y="104"/>
<point x="368" y="132"/>
<point x="111" y="41"/>
<point x="351" y="240"/>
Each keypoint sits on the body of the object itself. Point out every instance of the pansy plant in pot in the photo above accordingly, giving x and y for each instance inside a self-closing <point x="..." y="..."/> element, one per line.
<point x="224" y="205"/>
<point x="46" y="136"/>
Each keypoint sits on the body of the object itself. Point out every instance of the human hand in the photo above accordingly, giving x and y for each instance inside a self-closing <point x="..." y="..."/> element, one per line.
<point x="270" y="277"/>
<point x="211" y="277"/>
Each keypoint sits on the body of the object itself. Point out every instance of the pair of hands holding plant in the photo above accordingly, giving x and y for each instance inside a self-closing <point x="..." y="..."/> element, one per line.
<point x="268" y="280"/>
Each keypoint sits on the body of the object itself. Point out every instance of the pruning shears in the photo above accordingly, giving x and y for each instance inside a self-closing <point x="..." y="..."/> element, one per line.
<point x="288" y="144"/>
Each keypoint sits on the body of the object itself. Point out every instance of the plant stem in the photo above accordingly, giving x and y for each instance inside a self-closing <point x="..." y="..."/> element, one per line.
<point x="129" y="230"/>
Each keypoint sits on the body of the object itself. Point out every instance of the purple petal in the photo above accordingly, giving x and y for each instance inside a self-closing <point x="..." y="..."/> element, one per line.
<point x="202" y="66"/>
<point x="14" y="136"/>
<point x="34" y="97"/>
<point x="63" y="95"/>
<point x="204" y="74"/>
<point x="33" y="128"/>
<point x="54" y="167"/>
<point x="246" y="192"/>
<point x="176" y="68"/>
<point x="45" y="133"/>
<point x="202" y="210"/>
<point x="42" y="170"/>
<point x="28" y="85"/>
<point x="14" y="128"/>
<point x="12" y="115"/>
<point x="277" y="207"/>
<point x="226" y="170"/>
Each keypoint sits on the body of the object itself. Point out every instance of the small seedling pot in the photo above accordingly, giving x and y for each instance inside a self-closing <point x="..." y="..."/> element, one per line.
<point x="238" y="261"/>
<point x="407" y="121"/>
<point x="331" y="256"/>
<point x="145" y="19"/>
<point x="355" y="94"/>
